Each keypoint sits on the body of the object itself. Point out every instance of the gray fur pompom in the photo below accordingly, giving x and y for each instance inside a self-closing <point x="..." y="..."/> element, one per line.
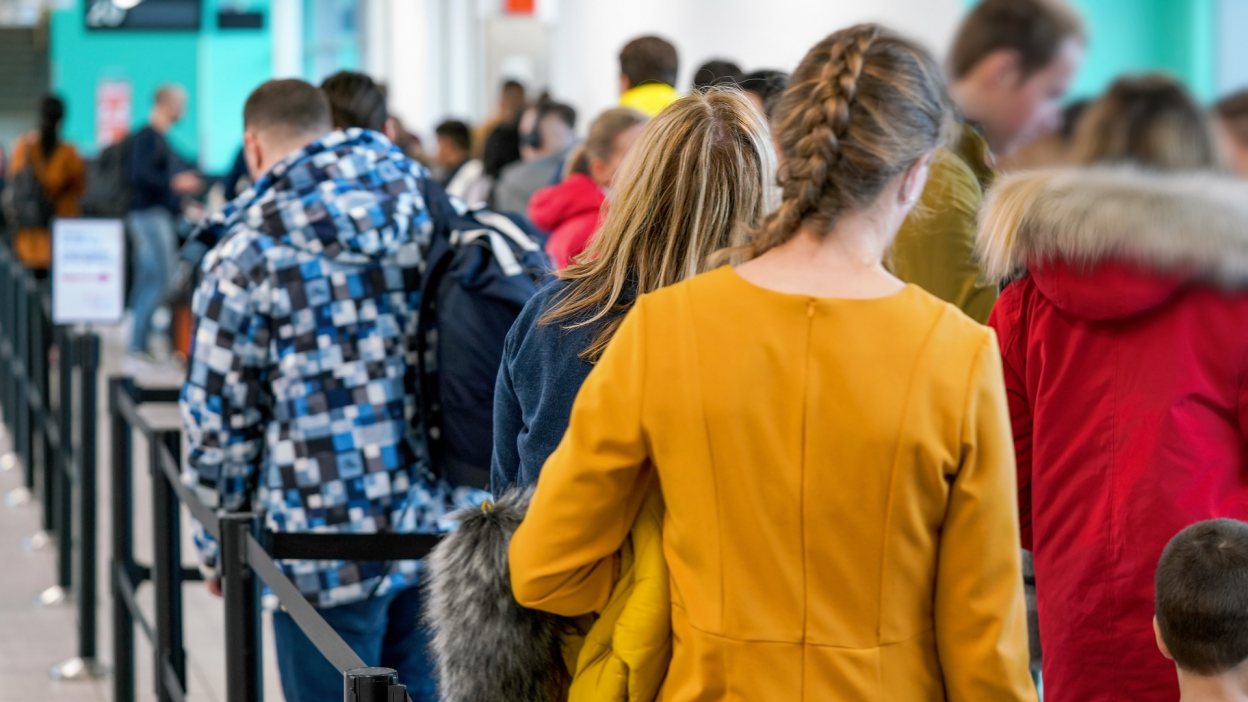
<point x="488" y="648"/>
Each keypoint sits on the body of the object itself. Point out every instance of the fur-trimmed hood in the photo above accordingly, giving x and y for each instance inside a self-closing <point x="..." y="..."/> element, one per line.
<point x="1105" y="243"/>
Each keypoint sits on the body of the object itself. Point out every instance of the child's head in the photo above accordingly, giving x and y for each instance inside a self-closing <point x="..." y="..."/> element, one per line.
<point x="1202" y="598"/>
<point x="1232" y="112"/>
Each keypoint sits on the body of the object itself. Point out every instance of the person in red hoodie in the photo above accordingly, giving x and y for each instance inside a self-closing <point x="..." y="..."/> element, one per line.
<point x="571" y="210"/>
<point x="1125" y="349"/>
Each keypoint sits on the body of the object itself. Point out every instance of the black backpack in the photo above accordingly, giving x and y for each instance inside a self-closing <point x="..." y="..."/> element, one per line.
<point x="480" y="269"/>
<point x="27" y="204"/>
<point x="108" y="183"/>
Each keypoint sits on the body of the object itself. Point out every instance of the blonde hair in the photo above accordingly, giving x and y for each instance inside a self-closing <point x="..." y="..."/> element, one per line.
<point x="861" y="108"/>
<point x="600" y="143"/>
<point x="693" y="184"/>
<point x="1149" y="121"/>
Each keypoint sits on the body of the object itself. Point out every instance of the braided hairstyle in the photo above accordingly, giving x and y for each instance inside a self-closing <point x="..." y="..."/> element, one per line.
<point x="861" y="108"/>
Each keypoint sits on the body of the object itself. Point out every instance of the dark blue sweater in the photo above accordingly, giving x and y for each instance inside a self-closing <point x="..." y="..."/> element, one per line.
<point x="538" y="379"/>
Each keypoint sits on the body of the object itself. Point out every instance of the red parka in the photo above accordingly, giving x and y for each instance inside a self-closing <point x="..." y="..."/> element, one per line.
<point x="1125" y="349"/>
<point x="570" y="212"/>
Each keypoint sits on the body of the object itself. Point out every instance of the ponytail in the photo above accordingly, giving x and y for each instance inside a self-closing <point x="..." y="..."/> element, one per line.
<point x="51" y="113"/>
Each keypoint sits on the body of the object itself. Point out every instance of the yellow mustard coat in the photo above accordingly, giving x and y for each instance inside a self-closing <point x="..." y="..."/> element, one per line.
<point x="841" y="521"/>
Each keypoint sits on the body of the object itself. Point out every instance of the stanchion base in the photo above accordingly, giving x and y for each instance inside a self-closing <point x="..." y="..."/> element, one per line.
<point x="36" y="541"/>
<point x="8" y="462"/>
<point x="52" y="596"/>
<point x="17" y="497"/>
<point x="78" y="669"/>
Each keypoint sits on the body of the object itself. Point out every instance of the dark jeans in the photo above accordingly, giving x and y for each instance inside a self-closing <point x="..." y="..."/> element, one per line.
<point x="385" y="631"/>
<point x="153" y="245"/>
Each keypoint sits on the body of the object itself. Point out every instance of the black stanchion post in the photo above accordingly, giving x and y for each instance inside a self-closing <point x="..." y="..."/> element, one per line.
<point x="21" y="367"/>
<point x="123" y="540"/>
<point x="241" y="590"/>
<point x="40" y="342"/>
<point x="85" y="498"/>
<point x="167" y="568"/>
<point x="369" y="684"/>
<point x="67" y="348"/>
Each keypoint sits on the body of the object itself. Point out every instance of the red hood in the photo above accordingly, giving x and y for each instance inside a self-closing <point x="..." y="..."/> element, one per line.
<point x="1105" y="290"/>
<point x="576" y="196"/>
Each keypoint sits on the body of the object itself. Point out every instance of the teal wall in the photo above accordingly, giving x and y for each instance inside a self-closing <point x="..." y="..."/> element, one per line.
<point x="218" y="69"/>
<point x="1134" y="36"/>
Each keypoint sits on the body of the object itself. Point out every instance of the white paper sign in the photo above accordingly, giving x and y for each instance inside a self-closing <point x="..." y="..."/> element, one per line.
<point x="88" y="265"/>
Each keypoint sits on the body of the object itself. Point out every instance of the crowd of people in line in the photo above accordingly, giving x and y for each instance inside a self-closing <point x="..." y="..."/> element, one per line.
<point x="875" y="380"/>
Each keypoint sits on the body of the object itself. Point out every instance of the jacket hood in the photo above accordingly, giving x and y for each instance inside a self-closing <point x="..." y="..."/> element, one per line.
<point x="1107" y="243"/>
<point x="578" y="195"/>
<point x="351" y="196"/>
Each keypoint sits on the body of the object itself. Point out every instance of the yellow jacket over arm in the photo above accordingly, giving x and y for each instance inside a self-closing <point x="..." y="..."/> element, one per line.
<point x="839" y="480"/>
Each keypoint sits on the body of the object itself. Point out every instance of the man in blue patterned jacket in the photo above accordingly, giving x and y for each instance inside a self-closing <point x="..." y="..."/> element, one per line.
<point x="300" y="398"/>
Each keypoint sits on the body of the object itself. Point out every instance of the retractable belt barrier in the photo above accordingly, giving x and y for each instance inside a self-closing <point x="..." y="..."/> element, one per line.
<point x="50" y="412"/>
<point x="248" y="556"/>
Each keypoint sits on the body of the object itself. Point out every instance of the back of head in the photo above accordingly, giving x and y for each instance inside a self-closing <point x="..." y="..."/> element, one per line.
<point x="693" y="183"/>
<point x="767" y="84"/>
<point x="457" y="133"/>
<point x="1233" y="111"/>
<point x="51" y="114"/>
<point x="1035" y="29"/>
<point x="600" y="142"/>
<point x="288" y="109"/>
<point x="649" y="60"/>
<point x="356" y="101"/>
<point x="862" y="107"/>
<point x="717" y="72"/>
<point x="1149" y="121"/>
<point x="548" y="127"/>
<point x="513" y="98"/>
<point x="1202" y="597"/>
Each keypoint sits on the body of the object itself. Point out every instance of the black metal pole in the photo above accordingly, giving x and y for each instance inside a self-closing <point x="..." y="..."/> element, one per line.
<point x="67" y="346"/>
<point x="167" y="567"/>
<point x="6" y="339"/>
<point x="368" y="684"/>
<point x="240" y="588"/>
<point x="88" y="408"/>
<point x="41" y="342"/>
<point x="123" y="540"/>
<point x="21" y="336"/>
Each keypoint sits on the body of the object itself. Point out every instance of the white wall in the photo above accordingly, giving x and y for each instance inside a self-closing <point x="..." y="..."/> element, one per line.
<point x="588" y="35"/>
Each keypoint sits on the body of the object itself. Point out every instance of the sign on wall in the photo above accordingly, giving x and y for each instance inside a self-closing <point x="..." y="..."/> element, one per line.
<point x="114" y="105"/>
<point x="88" y="269"/>
<point x="142" y="14"/>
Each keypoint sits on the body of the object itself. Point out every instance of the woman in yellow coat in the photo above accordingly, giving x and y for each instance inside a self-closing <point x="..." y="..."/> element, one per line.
<point x="832" y="446"/>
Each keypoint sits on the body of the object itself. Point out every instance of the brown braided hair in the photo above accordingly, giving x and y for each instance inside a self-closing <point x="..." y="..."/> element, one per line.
<point x="861" y="108"/>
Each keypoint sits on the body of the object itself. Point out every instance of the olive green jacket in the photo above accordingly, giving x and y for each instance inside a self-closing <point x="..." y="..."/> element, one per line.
<point x="934" y="248"/>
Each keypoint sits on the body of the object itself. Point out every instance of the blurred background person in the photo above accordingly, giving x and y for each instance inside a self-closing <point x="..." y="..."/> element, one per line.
<point x="357" y="101"/>
<point x="764" y="87"/>
<point x="1050" y="149"/>
<point x="158" y="179"/>
<point x="461" y="175"/>
<point x="47" y="176"/>
<point x="571" y="210"/>
<point x="1232" y="121"/>
<point x="500" y="142"/>
<point x="547" y="133"/>
<point x="648" y="69"/>
<point x="1123" y="346"/>
<point x="1010" y="65"/>
<point x="717" y="72"/>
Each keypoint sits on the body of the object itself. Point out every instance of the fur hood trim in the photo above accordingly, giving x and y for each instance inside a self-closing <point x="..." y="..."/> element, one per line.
<point x="489" y="648"/>
<point x="1190" y="222"/>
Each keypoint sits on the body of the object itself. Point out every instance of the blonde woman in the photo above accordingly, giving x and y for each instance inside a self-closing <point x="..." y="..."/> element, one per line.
<point x="693" y="184"/>
<point x="832" y="445"/>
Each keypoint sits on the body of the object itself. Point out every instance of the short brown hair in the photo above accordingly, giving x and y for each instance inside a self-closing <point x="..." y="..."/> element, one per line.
<point x="1150" y="121"/>
<point x="1033" y="28"/>
<point x="862" y="107"/>
<point x="649" y="60"/>
<point x="289" y="105"/>
<point x="1202" y="596"/>
<point x="1233" y="111"/>
<point x="356" y="101"/>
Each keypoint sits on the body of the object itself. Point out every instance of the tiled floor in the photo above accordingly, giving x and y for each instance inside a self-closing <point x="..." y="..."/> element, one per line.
<point x="32" y="639"/>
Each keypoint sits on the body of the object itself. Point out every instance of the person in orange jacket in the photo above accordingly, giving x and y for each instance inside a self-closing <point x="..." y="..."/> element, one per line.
<point x="60" y="172"/>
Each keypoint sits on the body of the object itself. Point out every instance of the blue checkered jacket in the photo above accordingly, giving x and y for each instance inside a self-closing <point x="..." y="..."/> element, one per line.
<point x="301" y="399"/>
